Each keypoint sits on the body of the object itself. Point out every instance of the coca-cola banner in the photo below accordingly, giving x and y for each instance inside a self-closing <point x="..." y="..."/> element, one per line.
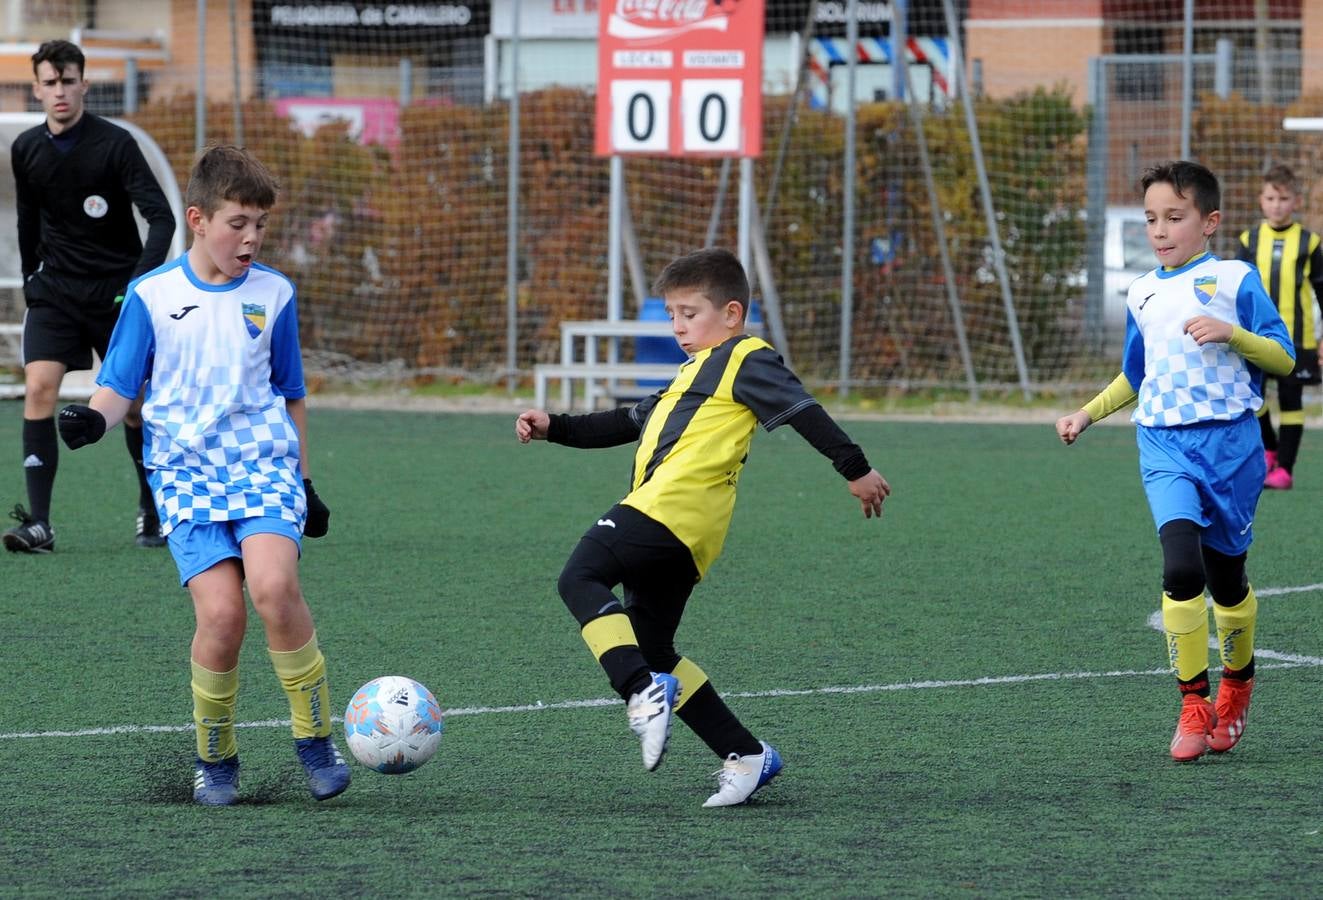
<point x="680" y="77"/>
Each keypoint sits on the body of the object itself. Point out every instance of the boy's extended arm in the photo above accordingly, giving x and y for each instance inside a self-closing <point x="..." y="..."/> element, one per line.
<point x="817" y="427"/>
<point x="82" y="425"/>
<point x="1117" y="395"/>
<point x="609" y="428"/>
<point x="1264" y="352"/>
<point x="821" y="431"/>
<point x="318" y="520"/>
<point x="298" y="414"/>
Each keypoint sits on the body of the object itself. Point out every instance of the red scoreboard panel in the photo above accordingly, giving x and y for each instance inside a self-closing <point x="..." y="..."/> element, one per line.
<point x="680" y="78"/>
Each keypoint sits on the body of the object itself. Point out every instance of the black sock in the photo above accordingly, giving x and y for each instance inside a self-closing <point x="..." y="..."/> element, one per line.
<point x="41" y="457"/>
<point x="1244" y="674"/>
<point x="1289" y="446"/>
<point x="133" y="440"/>
<point x="1269" y="436"/>
<point x="707" y="716"/>
<point x="1196" y="685"/>
<point x="627" y="671"/>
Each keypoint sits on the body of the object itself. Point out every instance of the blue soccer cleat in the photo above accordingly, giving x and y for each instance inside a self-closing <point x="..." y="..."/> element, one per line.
<point x="650" y="716"/>
<point x="216" y="783"/>
<point x="740" y="776"/>
<point x="328" y="773"/>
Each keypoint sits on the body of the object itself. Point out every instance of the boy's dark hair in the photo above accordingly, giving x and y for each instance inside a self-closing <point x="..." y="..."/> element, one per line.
<point x="1187" y="179"/>
<point x="717" y="273"/>
<point x="229" y="173"/>
<point x="1282" y="178"/>
<point x="61" y="55"/>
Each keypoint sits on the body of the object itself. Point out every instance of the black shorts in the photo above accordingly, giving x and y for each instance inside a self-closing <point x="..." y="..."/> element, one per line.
<point x="642" y="555"/>
<point x="67" y="318"/>
<point x="1306" y="369"/>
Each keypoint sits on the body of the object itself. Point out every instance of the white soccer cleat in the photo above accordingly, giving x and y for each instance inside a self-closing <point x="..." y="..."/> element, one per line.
<point x="650" y="716"/>
<point x="740" y="776"/>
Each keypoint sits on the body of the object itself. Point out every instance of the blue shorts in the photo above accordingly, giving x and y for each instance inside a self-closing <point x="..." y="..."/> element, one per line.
<point x="197" y="546"/>
<point x="1210" y="473"/>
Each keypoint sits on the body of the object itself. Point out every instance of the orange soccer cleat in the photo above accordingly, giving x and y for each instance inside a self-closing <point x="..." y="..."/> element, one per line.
<point x="1194" y="728"/>
<point x="1233" y="700"/>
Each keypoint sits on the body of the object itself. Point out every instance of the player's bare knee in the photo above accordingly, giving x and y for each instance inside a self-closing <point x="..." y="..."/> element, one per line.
<point x="222" y="623"/>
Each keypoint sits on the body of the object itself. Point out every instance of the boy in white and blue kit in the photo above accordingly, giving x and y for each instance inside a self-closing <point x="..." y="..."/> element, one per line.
<point x="1200" y="334"/>
<point x="215" y="335"/>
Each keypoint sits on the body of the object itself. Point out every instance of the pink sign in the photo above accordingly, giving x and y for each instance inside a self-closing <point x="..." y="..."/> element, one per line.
<point x="370" y="120"/>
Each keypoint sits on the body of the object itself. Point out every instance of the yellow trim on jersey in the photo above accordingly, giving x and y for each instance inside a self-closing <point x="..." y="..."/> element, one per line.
<point x="1186" y="625"/>
<point x="214" y="701"/>
<point x="1117" y="395"/>
<point x="1235" y="631"/>
<point x="606" y="633"/>
<point x="1264" y="352"/>
<point x="692" y="450"/>
<point x="302" y="675"/>
<point x="691" y="679"/>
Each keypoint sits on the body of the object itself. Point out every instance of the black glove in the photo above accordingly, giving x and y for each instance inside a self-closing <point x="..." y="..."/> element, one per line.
<point x="319" y="514"/>
<point x="81" y="425"/>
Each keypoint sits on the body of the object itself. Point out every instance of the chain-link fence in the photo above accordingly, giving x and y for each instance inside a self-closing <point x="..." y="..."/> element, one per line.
<point x="995" y="255"/>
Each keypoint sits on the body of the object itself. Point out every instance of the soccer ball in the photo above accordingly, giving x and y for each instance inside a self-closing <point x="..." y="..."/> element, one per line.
<point x="393" y="724"/>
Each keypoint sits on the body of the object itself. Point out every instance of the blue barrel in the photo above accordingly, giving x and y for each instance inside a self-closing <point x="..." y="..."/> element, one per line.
<point x="665" y="349"/>
<point x="656" y="349"/>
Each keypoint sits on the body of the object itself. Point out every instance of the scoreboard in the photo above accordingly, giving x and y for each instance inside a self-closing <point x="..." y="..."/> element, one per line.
<point x="680" y="78"/>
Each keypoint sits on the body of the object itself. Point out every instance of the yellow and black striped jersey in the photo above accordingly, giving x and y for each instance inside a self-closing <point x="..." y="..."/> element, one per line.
<point x="1290" y="262"/>
<point x="695" y="437"/>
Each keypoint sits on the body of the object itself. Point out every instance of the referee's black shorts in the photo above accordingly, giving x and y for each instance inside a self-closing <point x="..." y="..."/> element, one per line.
<point x="67" y="318"/>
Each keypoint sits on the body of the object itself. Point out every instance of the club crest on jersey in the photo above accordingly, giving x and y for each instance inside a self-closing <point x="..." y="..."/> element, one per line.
<point x="96" y="206"/>
<point x="1205" y="288"/>
<point x="254" y="316"/>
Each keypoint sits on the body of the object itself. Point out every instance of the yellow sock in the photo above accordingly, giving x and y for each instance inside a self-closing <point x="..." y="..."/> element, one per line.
<point x="1186" y="625"/>
<point x="302" y="674"/>
<point x="691" y="678"/>
<point x="213" y="712"/>
<point x="608" y="632"/>
<point x="1235" y="631"/>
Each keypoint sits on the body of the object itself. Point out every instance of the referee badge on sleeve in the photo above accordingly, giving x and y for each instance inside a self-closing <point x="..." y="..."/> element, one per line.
<point x="254" y="316"/>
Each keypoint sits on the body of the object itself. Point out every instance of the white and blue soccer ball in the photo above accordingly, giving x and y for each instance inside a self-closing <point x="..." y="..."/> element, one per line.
<point x="393" y="724"/>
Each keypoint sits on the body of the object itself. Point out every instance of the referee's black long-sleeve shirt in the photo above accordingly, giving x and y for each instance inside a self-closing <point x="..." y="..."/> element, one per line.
<point x="75" y="209"/>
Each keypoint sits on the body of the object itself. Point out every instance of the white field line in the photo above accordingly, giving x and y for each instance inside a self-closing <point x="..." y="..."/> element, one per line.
<point x="1284" y="661"/>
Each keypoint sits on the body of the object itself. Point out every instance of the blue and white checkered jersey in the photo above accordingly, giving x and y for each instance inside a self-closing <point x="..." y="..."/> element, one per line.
<point x="220" y="361"/>
<point x="1178" y="381"/>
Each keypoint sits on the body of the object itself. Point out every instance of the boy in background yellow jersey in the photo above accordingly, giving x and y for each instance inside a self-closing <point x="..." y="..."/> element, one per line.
<point x="1290" y="262"/>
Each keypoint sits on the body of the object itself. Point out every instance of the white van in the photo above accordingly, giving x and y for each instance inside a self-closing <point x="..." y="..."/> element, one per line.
<point x="1126" y="256"/>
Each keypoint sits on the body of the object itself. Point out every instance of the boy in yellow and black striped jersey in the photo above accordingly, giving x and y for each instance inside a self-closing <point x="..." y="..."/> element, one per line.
<point x="1290" y="262"/>
<point x="693" y="438"/>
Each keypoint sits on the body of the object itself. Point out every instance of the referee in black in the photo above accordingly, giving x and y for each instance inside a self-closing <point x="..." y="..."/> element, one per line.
<point x="78" y="178"/>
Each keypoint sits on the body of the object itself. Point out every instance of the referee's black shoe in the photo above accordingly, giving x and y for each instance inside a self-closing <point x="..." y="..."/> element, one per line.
<point x="149" y="529"/>
<point x="29" y="535"/>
